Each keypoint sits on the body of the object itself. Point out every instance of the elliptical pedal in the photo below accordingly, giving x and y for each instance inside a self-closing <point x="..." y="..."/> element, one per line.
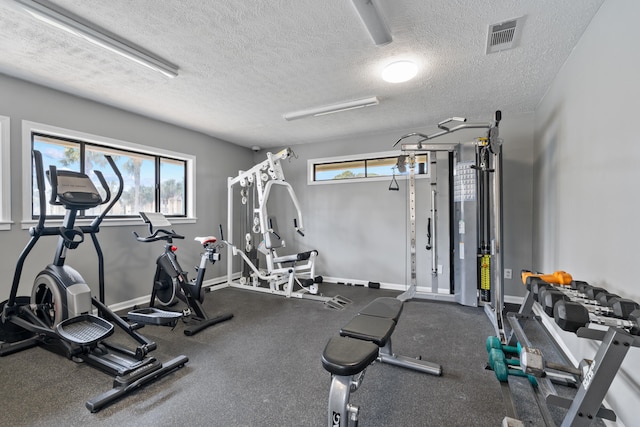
<point x="85" y="329"/>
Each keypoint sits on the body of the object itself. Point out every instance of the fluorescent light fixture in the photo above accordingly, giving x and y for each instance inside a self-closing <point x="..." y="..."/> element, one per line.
<point x="53" y="17"/>
<point x="399" y="71"/>
<point x="372" y="20"/>
<point x="330" y="109"/>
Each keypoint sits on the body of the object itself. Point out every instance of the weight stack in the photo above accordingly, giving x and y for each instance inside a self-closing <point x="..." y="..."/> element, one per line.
<point x="485" y="278"/>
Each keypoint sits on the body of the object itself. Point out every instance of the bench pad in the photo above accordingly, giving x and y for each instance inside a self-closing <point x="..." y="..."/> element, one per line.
<point x="346" y="356"/>
<point x="302" y="256"/>
<point x="369" y="328"/>
<point x="387" y="307"/>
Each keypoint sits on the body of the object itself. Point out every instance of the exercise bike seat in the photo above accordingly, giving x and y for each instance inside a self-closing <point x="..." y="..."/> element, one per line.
<point x="206" y="239"/>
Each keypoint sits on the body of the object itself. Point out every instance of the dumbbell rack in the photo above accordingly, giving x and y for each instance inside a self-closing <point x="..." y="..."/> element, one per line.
<point x="596" y="378"/>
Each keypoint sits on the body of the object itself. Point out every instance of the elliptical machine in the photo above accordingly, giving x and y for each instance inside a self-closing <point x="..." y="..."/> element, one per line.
<point x="170" y="282"/>
<point x="59" y="314"/>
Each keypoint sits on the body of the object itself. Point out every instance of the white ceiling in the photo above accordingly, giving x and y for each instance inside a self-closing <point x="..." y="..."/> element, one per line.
<point x="245" y="63"/>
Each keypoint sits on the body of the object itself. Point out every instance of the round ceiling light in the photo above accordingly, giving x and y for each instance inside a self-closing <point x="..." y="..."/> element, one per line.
<point x="399" y="71"/>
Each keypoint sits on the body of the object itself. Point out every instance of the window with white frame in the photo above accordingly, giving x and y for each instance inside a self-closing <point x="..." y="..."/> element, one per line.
<point x="155" y="180"/>
<point x="365" y="167"/>
<point x="5" y="175"/>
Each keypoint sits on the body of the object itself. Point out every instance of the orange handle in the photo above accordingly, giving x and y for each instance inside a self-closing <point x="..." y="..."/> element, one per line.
<point x="557" y="278"/>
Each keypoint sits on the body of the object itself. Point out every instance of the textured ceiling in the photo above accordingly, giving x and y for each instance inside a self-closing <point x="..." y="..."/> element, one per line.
<point x="245" y="63"/>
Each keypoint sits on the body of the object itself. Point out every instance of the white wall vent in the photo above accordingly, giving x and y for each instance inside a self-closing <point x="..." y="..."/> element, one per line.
<point x="504" y="35"/>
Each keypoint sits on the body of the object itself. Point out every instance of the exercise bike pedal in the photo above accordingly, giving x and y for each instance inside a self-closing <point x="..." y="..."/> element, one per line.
<point x="85" y="329"/>
<point x="154" y="316"/>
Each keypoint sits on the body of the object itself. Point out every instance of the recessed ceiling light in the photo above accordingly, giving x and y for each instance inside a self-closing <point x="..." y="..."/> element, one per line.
<point x="399" y="71"/>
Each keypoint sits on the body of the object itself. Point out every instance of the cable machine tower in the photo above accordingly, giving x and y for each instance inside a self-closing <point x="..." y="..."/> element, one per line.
<point x="478" y="275"/>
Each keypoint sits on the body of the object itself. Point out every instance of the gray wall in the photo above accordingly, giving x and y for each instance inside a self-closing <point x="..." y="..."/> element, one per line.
<point x="361" y="229"/>
<point x="129" y="265"/>
<point x="586" y="173"/>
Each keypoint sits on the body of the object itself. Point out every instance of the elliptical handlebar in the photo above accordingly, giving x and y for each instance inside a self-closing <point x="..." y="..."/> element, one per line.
<point x="96" y="222"/>
<point x="104" y="184"/>
<point x="37" y="158"/>
<point x="53" y="180"/>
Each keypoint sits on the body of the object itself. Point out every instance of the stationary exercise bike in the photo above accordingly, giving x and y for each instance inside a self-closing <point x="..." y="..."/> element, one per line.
<point x="59" y="314"/>
<point x="170" y="282"/>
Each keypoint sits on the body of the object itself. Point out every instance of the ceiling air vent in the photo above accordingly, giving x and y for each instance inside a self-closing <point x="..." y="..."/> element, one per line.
<point x="504" y="35"/>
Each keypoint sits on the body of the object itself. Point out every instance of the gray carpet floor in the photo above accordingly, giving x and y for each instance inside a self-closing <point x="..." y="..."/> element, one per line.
<point x="263" y="367"/>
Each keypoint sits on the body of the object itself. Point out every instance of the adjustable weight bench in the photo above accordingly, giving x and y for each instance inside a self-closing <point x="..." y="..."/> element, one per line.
<point x="365" y="339"/>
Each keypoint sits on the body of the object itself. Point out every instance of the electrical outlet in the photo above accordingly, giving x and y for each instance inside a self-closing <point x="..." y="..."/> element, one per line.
<point x="507" y="273"/>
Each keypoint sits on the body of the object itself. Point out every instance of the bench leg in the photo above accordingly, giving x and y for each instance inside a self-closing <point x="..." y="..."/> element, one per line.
<point x="341" y="413"/>
<point x="385" y="355"/>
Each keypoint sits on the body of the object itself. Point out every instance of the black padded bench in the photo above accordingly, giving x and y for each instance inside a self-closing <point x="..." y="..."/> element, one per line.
<point x="365" y="339"/>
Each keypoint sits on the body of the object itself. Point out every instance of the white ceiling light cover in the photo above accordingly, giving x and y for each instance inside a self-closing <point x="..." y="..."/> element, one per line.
<point x="399" y="71"/>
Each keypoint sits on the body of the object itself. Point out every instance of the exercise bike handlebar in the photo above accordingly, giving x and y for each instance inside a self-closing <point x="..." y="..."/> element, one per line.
<point x="159" y="234"/>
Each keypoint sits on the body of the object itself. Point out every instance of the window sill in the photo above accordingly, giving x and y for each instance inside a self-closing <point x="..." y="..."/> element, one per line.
<point x="114" y="222"/>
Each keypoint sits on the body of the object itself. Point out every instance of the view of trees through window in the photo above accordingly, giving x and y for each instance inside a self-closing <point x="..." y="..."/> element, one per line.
<point x="151" y="183"/>
<point x="366" y="168"/>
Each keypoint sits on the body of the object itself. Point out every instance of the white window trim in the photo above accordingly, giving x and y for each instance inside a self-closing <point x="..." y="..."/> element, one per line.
<point x="5" y="179"/>
<point x="29" y="127"/>
<point x="355" y="157"/>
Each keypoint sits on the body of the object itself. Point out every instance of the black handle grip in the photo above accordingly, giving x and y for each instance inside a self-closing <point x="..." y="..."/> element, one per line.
<point x="104" y="184"/>
<point x="98" y="220"/>
<point x="172" y="233"/>
<point x="37" y="158"/>
<point x="53" y="180"/>
<point x="166" y="235"/>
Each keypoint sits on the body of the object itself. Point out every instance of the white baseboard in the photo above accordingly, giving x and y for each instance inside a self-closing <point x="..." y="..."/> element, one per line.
<point x="403" y="287"/>
<point x="383" y="285"/>
<point x="125" y="305"/>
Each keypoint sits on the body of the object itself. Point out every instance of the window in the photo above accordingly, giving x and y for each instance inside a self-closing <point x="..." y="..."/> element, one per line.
<point x="154" y="180"/>
<point x="367" y="167"/>
<point x="5" y="175"/>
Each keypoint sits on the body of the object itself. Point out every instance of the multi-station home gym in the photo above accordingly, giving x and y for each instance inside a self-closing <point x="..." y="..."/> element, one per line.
<point x="342" y="213"/>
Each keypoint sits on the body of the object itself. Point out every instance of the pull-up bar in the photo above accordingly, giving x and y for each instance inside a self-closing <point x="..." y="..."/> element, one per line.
<point x="445" y="130"/>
